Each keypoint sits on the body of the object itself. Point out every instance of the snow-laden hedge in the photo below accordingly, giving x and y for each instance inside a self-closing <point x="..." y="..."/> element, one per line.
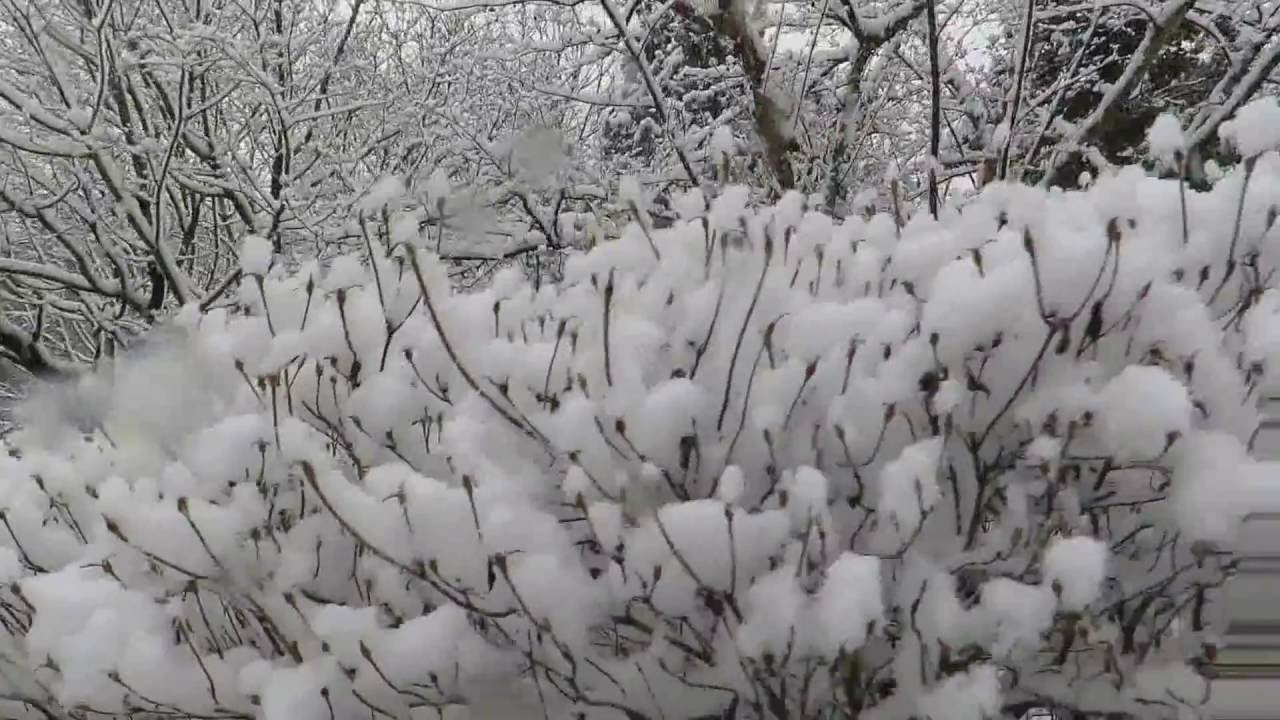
<point x="757" y="465"/>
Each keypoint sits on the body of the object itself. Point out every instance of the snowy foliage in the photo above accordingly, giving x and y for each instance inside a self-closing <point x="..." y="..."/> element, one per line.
<point x="1165" y="137"/>
<point x="1256" y="128"/>
<point x="759" y="464"/>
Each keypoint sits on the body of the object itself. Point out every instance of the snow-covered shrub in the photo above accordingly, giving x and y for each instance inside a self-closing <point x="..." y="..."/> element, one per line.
<point x="760" y="464"/>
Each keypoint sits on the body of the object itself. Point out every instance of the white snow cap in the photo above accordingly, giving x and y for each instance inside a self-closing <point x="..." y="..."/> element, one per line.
<point x="732" y="484"/>
<point x="382" y="192"/>
<point x="1141" y="406"/>
<point x="1000" y="136"/>
<point x="255" y="255"/>
<point x="1165" y="137"/>
<point x="971" y="695"/>
<point x="773" y="608"/>
<point x="849" y="601"/>
<point x="438" y="189"/>
<point x="1255" y="128"/>
<point x="1076" y="567"/>
<point x="909" y="486"/>
<point x="723" y="143"/>
<point x="1018" y="613"/>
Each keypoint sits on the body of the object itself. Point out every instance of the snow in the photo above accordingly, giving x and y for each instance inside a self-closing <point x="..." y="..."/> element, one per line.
<point x="722" y="146"/>
<point x="255" y="255"/>
<point x="850" y="601"/>
<point x="344" y="272"/>
<point x="936" y="455"/>
<point x="1216" y="486"/>
<point x="559" y="594"/>
<point x="1075" y="567"/>
<point x="808" y="495"/>
<point x="909" y="487"/>
<point x="344" y="629"/>
<point x="607" y="523"/>
<point x="773" y="608"/>
<point x="438" y="189"/>
<point x="971" y="695"/>
<point x="630" y="191"/>
<point x="1044" y="449"/>
<point x="295" y="692"/>
<point x="1255" y="128"/>
<point x="732" y="484"/>
<point x="668" y="412"/>
<point x="1000" y="136"/>
<point x="1164" y="139"/>
<point x="382" y="193"/>
<point x="10" y="565"/>
<point x="1140" y="408"/>
<point x="1019" y="614"/>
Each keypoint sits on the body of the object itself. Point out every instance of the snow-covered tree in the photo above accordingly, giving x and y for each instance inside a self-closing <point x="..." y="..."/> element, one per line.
<point x="140" y="141"/>
<point x="831" y="95"/>
<point x="1098" y="74"/>
<point x="758" y="464"/>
